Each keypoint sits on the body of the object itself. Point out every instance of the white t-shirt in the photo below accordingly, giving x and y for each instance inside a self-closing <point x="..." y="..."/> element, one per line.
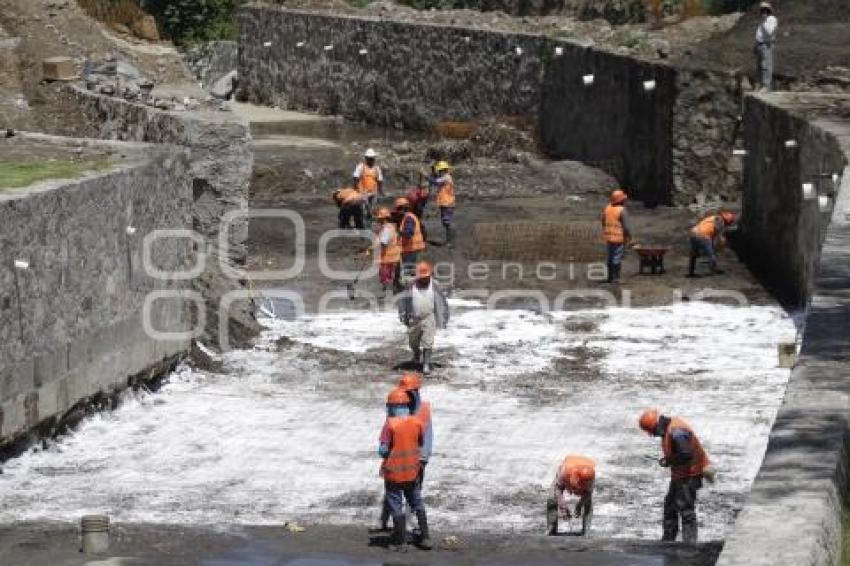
<point x="358" y="172"/>
<point x="766" y="31"/>
<point x="423" y="300"/>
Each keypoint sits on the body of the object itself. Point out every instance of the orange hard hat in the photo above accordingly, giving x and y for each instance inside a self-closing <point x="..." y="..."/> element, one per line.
<point x="423" y="270"/>
<point x="401" y="201"/>
<point x="382" y="213"/>
<point x="410" y="382"/>
<point x="618" y="197"/>
<point x="728" y="217"/>
<point x="649" y="421"/>
<point x="397" y="397"/>
<point x="586" y="474"/>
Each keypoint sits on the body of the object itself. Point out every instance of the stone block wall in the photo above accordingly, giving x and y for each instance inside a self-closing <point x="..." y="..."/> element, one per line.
<point x="71" y="324"/>
<point x="794" y="512"/>
<point x="377" y="71"/>
<point x="221" y="162"/>
<point x="618" y="123"/>
<point x="781" y="232"/>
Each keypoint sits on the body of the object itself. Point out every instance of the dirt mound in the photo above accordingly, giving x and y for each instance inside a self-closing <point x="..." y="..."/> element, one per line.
<point x="812" y="37"/>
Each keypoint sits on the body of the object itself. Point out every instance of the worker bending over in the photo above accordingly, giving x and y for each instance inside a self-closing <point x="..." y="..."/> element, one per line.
<point x="706" y="237"/>
<point x="369" y="180"/>
<point x="423" y="310"/>
<point x="400" y="447"/>
<point x="616" y="233"/>
<point x="350" y="203"/>
<point x="445" y="187"/>
<point x="688" y="463"/>
<point x="575" y="476"/>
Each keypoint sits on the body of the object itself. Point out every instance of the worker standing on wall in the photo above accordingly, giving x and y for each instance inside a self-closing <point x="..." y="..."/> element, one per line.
<point x="350" y="203"/>
<point x="400" y="447"/>
<point x="412" y="237"/>
<point x="688" y="463"/>
<point x="445" y="187"/>
<point x="423" y="310"/>
<point x="575" y="476"/>
<point x="616" y="233"/>
<point x="706" y="237"/>
<point x="389" y="272"/>
<point x="369" y="180"/>
<point x="765" y="41"/>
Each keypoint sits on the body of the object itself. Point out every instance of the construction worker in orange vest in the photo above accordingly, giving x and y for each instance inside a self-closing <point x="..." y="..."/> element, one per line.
<point x="389" y="273"/>
<point x="706" y="237"/>
<point x="616" y="233"/>
<point x="411" y="383"/>
<point x="369" y="180"/>
<point x="688" y="463"/>
<point x="445" y="188"/>
<point x="350" y="203"/>
<point x="412" y="238"/>
<point x="400" y="447"/>
<point x="575" y="476"/>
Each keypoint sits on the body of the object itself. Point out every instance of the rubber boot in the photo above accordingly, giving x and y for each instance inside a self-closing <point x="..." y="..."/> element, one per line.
<point x="692" y="266"/>
<point x="399" y="535"/>
<point x="551" y="517"/>
<point x="426" y="362"/>
<point x="616" y="276"/>
<point x="424" y="534"/>
<point x="417" y="357"/>
<point x="385" y="518"/>
<point x="450" y="237"/>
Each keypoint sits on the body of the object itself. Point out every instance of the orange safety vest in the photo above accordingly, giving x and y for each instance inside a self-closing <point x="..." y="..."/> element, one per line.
<point x="612" y="228"/>
<point x="416" y="242"/>
<point x="568" y="473"/>
<point x="347" y="196"/>
<point x="706" y="228"/>
<point x="446" y="192"/>
<point x="368" y="182"/>
<point x="700" y="462"/>
<point x="402" y="464"/>
<point x="391" y="253"/>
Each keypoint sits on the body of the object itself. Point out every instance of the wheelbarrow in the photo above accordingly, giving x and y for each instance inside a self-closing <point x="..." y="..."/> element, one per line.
<point x="651" y="257"/>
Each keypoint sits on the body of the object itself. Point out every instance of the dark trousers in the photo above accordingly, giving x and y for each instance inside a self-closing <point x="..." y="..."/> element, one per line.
<point x="349" y="212"/>
<point x="615" y="260"/>
<point x="395" y="494"/>
<point x="408" y="263"/>
<point x="386" y="512"/>
<point x="702" y="247"/>
<point x="680" y="503"/>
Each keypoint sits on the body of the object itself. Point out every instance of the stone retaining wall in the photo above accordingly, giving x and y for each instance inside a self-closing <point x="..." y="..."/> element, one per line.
<point x="221" y="161"/>
<point x="377" y="71"/>
<point x="793" y="513"/>
<point x="71" y="323"/>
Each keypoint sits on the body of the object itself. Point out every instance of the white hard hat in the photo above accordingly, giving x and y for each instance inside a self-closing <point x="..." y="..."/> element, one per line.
<point x="370" y="153"/>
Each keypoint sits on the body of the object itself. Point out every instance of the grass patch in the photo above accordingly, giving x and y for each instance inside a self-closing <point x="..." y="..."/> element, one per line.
<point x="16" y="174"/>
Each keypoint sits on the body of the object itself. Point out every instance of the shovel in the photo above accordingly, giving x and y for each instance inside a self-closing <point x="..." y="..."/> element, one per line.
<point x="350" y="286"/>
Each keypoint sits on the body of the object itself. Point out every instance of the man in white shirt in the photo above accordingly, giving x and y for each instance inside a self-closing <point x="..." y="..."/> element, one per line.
<point x="423" y="309"/>
<point x="765" y="40"/>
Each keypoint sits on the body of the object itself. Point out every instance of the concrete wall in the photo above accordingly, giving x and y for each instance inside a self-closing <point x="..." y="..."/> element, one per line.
<point x="615" y="124"/>
<point x="781" y="232"/>
<point x="221" y="162"/>
<point x="793" y="514"/>
<point x="71" y="324"/>
<point x="465" y="74"/>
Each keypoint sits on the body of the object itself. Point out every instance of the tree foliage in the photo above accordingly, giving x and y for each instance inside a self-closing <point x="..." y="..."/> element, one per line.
<point x="193" y="21"/>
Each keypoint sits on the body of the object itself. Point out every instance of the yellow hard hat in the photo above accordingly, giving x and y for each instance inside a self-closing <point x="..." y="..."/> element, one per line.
<point x="442" y="166"/>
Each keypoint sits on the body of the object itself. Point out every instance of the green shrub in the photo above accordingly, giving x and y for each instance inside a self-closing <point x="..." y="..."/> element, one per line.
<point x="192" y="21"/>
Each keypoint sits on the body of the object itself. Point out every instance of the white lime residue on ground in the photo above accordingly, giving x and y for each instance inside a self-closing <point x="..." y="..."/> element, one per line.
<point x="275" y="438"/>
